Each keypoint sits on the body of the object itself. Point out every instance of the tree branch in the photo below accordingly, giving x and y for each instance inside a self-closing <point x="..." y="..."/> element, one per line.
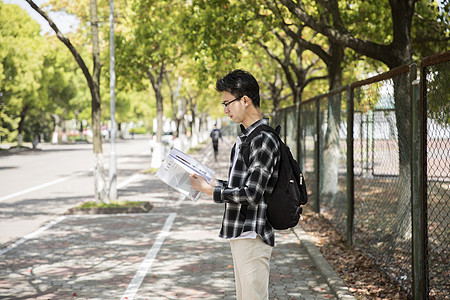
<point x="66" y="42"/>
<point x="316" y="49"/>
<point x="346" y="39"/>
<point x="314" y="78"/>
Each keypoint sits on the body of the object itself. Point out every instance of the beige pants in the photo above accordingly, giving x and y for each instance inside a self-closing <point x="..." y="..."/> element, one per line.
<point x="251" y="258"/>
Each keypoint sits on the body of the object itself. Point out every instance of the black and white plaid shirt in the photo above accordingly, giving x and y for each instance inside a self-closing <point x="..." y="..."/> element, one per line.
<point x="245" y="206"/>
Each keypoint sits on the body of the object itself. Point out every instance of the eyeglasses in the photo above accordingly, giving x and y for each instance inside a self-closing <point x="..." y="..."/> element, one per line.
<point x="225" y="104"/>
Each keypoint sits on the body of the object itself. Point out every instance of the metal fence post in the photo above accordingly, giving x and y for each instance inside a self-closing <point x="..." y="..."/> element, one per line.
<point x="317" y="158"/>
<point x="350" y="163"/>
<point x="299" y="133"/>
<point x="418" y="184"/>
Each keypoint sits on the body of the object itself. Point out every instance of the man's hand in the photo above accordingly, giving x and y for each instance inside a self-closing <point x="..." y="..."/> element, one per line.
<point x="199" y="183"/>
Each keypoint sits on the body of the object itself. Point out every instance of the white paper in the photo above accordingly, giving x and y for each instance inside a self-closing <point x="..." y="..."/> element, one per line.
<point x="175" y="171"/>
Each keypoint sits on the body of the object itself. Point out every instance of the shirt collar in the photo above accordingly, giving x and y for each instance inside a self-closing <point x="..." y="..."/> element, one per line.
<point x="246" y="131"/>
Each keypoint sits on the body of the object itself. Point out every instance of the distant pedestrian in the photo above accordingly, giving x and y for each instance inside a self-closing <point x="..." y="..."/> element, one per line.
<point x="244" y="222"/>
<point x="215" y="135"/>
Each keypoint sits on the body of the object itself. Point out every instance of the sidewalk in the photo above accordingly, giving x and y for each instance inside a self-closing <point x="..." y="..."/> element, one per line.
<point x="173" y="252"/>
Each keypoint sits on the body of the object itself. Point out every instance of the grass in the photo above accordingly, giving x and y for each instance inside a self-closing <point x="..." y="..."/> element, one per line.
<point x="91" y="204"/>
<point x="194" y="149"/>
<point x="150" y="171"/>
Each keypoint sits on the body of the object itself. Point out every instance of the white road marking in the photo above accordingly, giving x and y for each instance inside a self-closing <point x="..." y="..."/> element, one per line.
<point x="128" y="181"/>
<point x="41" y="186"/>
<point x="38" y="187"/>
<point x="148" y="261"/>
<point x="180" y="199"/>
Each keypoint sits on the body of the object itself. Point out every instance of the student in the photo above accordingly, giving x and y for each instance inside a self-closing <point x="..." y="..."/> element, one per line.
<point x="215" y="135"/>
<point x="244" y="221"/>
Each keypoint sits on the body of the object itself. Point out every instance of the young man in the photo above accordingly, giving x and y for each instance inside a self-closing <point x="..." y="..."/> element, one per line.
<point x="215" y="135"/>
<point x="244" y="221"/>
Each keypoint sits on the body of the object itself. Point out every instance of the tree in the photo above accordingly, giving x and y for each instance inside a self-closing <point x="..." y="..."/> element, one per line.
<point x="93" y="82"/>
<point x="333" y="58"/>
<point x="212" y="35"/>
<point x="271" y="79"/>
<point x="302" y="58"/>
<point x="394" y="51"/>
<point x="285" y="45"/>
<point x="21" y="58"/>
<point x="149" y="47"/>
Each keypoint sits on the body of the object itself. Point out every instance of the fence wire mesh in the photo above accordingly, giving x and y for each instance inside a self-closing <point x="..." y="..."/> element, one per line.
<point x="382" y="202"/>
<point x="437" y="102"/>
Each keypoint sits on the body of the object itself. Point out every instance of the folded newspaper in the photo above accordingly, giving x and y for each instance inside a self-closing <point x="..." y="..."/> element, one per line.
<point x="175" y="171"/>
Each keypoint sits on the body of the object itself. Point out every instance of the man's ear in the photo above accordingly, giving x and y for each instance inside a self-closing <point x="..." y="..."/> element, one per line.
<point x="247" y="100"/>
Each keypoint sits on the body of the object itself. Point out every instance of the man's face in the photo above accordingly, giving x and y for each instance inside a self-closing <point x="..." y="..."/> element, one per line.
<point x="232" y="106"/>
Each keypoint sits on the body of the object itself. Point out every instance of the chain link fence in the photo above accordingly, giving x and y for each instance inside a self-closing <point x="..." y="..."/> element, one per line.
<point x="382" y="219"/>
<point x="436" y="94"/>
<point x="357" y="148"/>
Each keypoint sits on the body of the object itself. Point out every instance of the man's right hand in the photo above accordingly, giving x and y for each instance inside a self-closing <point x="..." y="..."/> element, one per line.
<point x="199" y="183"/>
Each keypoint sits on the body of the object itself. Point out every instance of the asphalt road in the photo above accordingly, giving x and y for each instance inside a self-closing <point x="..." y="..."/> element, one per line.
<point x="37" y="186"/>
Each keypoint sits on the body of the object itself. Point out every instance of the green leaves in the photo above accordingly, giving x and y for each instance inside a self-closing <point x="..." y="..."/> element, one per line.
<point x="21" y="57"/>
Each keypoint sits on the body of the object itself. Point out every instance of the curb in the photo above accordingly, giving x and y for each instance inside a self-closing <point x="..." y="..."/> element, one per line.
<point x="336" y="284"/>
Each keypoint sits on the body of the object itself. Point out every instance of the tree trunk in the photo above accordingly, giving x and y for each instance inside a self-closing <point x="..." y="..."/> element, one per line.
<point x="101" y="193"/>
<point x="23" y="114"/>
<point x="403" y="120"/>
<point x="157" y="88"/>
<point x="176" y="103"/>
<point x="331" y="144"/>
<point x="194" y="116"/>
<point x="157" y="81"/>
<point x="184" y="120"/>
<point x="159" y="115"/>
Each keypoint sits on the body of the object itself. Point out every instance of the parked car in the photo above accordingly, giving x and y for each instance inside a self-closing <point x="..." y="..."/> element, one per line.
<point x="167" y="139"/>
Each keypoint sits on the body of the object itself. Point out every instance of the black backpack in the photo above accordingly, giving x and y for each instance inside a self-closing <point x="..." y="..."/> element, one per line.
<point x="284" y="204"/>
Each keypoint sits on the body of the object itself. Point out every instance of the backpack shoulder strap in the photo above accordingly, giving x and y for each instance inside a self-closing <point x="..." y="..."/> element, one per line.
<point x="245" y="146"/>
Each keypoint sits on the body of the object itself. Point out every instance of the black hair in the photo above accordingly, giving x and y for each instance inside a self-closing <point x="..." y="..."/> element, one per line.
<point x="240" y="83"/>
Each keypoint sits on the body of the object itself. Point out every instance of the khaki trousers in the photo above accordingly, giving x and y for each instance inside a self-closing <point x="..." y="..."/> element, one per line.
<point x="251" y="262"/>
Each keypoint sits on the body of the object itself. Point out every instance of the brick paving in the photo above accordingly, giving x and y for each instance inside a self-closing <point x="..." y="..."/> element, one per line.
<point x="173" y="252"/>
